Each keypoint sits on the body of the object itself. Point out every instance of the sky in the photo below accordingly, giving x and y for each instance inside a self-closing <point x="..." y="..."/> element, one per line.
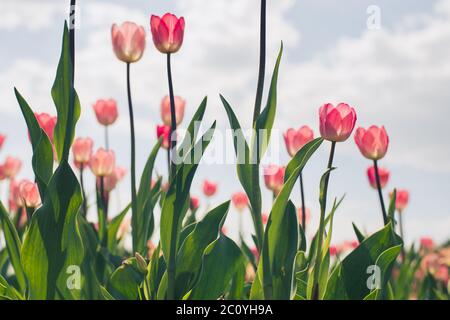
<point x="396" y="75"/>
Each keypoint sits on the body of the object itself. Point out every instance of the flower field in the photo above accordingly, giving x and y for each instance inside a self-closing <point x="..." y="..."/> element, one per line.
<point x="56" y="244"/>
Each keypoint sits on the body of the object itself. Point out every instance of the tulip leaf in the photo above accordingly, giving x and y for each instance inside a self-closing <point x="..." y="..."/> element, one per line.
<point x="8" y="292"/>
<point x="13" y="246"/>
<point x="350" y="278"/>
<point x="189" y="258"/>
<point x="146" y="202"/>
<point x="125" y="282"/>
<point x="358" y="233"/>
<point x="221" y="260"/>
<point x="157" y="267"/>
<point x="113" y="228"/>
<point x="265" y="120"/>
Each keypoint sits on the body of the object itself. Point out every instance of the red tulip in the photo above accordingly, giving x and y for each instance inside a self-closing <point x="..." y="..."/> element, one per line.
<point x="384" y="176"/>
<point x="47" y="123"/>
<point x="337" y="123"/>
<point x="29" y="193"/>
<point x="274" y="177"/>
<point x="401" y="200"/>
<point x="102" y="163"/>
<point x="194" y="203"/>
<point x="427" y="243"/>
<point x="82" y="150"/>
<point x="180" y="104"/>
<point x="240" y="200"/>
<point x="128" y="41"/>
<point x="373" y="142"/>
<point x="11" y="167"/>
<point x="106" y="111"/>
<point x="164" y="131"/>
<point x="168" y="32"/>
<point x="209" y="188"/>
<point x="2" y="140"/>
<point x="296" y="139"/>
<point x="334" y="251"/>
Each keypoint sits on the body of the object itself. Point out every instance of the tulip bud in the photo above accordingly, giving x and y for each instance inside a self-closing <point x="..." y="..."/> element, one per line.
<point x="373" y="142"/>
<point x="128" y="41"/>
<point x="11" y="167"/>
<point x="240" y="200"/>
<point x="168" y="32"/>
<point x="106" y="111"/>
<point x="180" y="104"/>
<point x="264" y="218"/>
<point x="296" y="139"/>
<point x="47" y="123"/>
<point x="29" y="193"/>
<point x="274" y="177"/>
<point x="209" y="188"/>
<point x="194" y="203"/>
<point x="336" y="123"/>
<point x="384" y="177"/>
<point x="82" y="150"/>
<point x="164" y="131"/>
<point x="401" y="200"/>
<point x="102" y="163"/>
<point x="141" y="263"/>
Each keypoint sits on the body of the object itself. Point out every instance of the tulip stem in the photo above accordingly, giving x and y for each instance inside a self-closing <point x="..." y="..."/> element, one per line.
<point x="72" y="36"/>
<point x="106" y="138"/>
<point x="380" y="193"/>
<point x="262" y="62"/>
<point x="302" y="196"/>
<point x="102" y="223"/>
<point x="323" y="206"/>
<point x="82" y="189"/>
<point x="133" y="160"/>
<point x="402" y="235"/>
<point x="173" y="117"/>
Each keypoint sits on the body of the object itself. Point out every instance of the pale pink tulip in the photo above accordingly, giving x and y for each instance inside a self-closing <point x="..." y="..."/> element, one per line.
<point x="29" y="193"/>
<point x="336" y="123"/>
<point x="300" y="215"/>
<point x="373" y="142"/>
<point x="168" y="32"/>
<point x="384" y="177"/>
<point x="274" y="177"/>
<point x="180" y="105"/>
<point x="106" y="111"/>
<point x="82" y="150"/>
<point x="47" y="123"/>
<point x="240" y="200"/>
<point x="401" y="200"/>
<point x="111" y="181"/>
<point x="11" y="167"/>
<point x="102" y="163"/>
<point x="296" y="139"/>
<point x="128" y="41"/>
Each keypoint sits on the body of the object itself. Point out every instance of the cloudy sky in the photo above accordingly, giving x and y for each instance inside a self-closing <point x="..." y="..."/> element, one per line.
<point x="396" y="75"/>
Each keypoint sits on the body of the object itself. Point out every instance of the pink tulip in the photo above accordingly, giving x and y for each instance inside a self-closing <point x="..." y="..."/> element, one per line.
<point x="102" y="163"/>
<point x="274" y="177"/>
<point x="209" y="188"/>
<point x="427" y="243"/>
<point x="333" y="251"/>
<point x="168" y="32"/>
<point x="384" y="176"/>
<point x="336" y="123"/>
<point x="29" y="193"/>
<point x="2" y="140"/>
<point x="128" y="41"/>
<point x="82" y="150"/>
<point x="180" y="104"/>
<point x="15" y="201"/>
<point x="240" y="200"/>
<point x="401" y="200"/>
<point x="296" y="139"/>
<point x="11" y="167"/>
<point x="373" y="142"/>
<point x="194" y="203"/>
<point x="164" y="131"/>
<point x="106" y="111"/>
<point x="265" y="218"/>
<point x="111" y="181"/>
<point x="300" y="215"/>
<point x="2" y="172"/>
<point x="47" y="123"/>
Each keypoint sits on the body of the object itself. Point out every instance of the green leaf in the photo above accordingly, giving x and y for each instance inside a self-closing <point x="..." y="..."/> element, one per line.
<point x="157" y="267"/>
<point x="391" y="209"/>
<point x="266" y="119"/>
<point x="146" y="202"/>
<point x="8" y="292"/>
<point x="113" y="228"/>
<point x="221" y="261"/>
<point x="189" y="258"/>
<point x="349" y="278"/>
<point x="13" y="246"/>
<point x="125" y="282"/>
<point x="358" y="233"/>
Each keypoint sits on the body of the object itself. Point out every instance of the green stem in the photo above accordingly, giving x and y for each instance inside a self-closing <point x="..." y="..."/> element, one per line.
<point x="402" y="235"/>
<point x="173" y="117"/>
<point x="82" y="190"/>
<point x="106" y="138"/>
<point x="262" y="62"/>
<point x="380" y="193"/>
<point x="323" y="209"/>
<point x="133" y="162"/>
<point x="302" y="196"/>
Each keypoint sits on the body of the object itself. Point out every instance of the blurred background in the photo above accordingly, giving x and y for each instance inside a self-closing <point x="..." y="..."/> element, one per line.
<point x="395" y="71"/>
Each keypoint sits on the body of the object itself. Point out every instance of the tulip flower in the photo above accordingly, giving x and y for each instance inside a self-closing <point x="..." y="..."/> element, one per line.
<point x="180" y="104"/>
<point x="2" y="172"/>
<point x="29" y="193"/>
<point x="304" y="218"/>
<point x="129" y="44"/>
<point x="334" y="251"/>
<point x="384" y="177"/>
<point x="401" y="200"/>
<point x="265" y="218"/>
<point x="274" y="178"/>
<point x="111" y="181"/>
<point x="167" y="32"/>
<point x="427" y="243"/>
<point x="209" y="188"/>
<point x="47" y="123"/>
<point x="15" y="201"/>
<point x="296" y="139"/>
<point x="82" y="150"/>
<point x="11" y="167"/>
<point x="106" y="111"/>
<point x="373" y="142"/>
<point x="194" y="203"/>
<point x="128" y="41"/>
<point x="164" y="132"/>
<point x="2" y="140"/>
<point x="336" y="123"/>
<point x="102" y="163"/>
<point x="240" y="200"/>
